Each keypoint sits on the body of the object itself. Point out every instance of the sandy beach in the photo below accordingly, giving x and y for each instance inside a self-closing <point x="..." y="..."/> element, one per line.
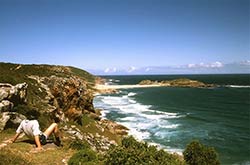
<point x="114" y="88"/>
<point x="107" y="87"/>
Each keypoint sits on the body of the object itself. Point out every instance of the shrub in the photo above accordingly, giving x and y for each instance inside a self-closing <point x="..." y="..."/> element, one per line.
<point x="196" y="154"/>
<point x="134" y="152"/>
<point x="87" y="157"/>
<point x="79" y="145"/>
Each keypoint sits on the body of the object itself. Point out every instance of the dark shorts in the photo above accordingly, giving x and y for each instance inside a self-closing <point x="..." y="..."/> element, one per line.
<point x="43" y="139"/>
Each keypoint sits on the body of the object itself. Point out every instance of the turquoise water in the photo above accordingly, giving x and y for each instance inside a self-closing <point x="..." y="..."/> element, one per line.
<point x="172" y="117"/>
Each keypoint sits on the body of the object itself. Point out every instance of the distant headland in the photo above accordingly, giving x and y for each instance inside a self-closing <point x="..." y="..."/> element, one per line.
<point x="182" y="82"/>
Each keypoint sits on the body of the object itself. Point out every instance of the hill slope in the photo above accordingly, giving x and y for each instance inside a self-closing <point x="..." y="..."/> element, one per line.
<point x="51" y="94"/>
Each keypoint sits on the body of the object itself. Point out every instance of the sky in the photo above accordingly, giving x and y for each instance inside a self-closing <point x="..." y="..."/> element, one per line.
<point x="128" y="36"/>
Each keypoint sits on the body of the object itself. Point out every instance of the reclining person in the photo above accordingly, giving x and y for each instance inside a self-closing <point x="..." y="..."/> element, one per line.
<point x="32" y="130"/>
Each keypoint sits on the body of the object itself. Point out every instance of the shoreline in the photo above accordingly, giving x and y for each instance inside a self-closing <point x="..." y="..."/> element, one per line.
<point x="104" y="87"/>
<point x="110" y="89"/>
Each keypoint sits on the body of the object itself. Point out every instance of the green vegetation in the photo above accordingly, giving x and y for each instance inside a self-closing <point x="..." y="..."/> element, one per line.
<point x="17" y="73"/>
<point x="20" y="152"/>
<point x="11" y="158"/>
<point x="81" y="73"/>
<point x="134" y="152"/>
<point x="88" y="157"/>
<point x="196" y="154"/>
<point x="79" y="145"/>
<point x="182" y="82"/>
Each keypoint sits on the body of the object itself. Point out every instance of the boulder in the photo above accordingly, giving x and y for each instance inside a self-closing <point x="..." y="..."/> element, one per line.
<point x="16" y="94"/>
<point x="6" y="105"/>
<point x="113" y="127"/>
<point x="10" y="120"/>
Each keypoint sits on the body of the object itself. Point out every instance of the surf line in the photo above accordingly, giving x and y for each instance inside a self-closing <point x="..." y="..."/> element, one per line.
<point x="102" y="87"/>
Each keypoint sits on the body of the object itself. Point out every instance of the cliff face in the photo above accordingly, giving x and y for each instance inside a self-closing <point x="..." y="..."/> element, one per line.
<point x="67" y="97"/>
<point x="54" y="94"/>
<point x="57" y="90"/>
<point x="10" y="96"/>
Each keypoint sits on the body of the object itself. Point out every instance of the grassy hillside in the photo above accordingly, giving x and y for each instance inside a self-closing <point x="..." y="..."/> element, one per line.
<point x="17" y="73"/>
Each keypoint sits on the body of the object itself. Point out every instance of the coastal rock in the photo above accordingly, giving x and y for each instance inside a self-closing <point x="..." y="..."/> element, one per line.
<point x="182" y="82"/>
<point x="6" y="105"/>
<point x="69" y="95"/>
<point x="100" y="82"/>
<point x="106" y="91"/>
<point x="57" y="94"/>
<point x="114" y="127"/>
<point x="96" y="141"/>
<point x="10" y="120"/>
<point x="15" y="94"/>
<point x="11" y="96"/>
<point x="95" y="116"/>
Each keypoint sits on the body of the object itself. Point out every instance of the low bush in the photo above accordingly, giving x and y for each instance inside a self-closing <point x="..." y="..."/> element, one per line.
<point x="86" y="157"/>
<point x="134" y="152"/>
<point x="196" y="154"/>
<point x="79" y="145"/>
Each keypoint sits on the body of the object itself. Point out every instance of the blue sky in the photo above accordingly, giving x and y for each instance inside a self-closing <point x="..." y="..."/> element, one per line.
<point x="128" y="36"/>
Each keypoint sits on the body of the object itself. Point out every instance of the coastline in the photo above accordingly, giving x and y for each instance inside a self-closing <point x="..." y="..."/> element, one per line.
<point x="181" y="82"/>
<point x="130" y="98"/>
<point x="111" y="89"/>
<point x="105" y="87"/>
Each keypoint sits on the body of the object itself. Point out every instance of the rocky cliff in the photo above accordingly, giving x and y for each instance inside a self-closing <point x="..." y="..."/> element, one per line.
<point x="54" y="94"/>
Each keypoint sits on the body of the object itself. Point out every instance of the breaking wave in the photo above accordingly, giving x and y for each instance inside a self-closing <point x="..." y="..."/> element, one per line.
<point x="237" y="86"/>
<point x="143" y="121"/>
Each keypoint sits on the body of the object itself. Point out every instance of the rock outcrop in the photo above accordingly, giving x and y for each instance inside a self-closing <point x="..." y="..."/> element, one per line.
<point x="15" y="94"/>
<point x="55" y="94"/>
<point x="10" y="120"/>
<point x="183" y="82"/>
<point x="67" y="96"/>
<point x="113" y="127"/>
<point x="9" y="97"/>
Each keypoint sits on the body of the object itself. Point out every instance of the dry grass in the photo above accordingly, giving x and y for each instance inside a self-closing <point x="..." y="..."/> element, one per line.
<point x="20" y="153"/>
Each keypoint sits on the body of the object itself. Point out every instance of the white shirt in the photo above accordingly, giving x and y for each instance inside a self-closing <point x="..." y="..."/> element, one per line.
<point x="30" y="128"/>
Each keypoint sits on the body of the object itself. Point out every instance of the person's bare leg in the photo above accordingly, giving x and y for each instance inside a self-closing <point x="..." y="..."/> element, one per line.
<point x="53" y="128"/>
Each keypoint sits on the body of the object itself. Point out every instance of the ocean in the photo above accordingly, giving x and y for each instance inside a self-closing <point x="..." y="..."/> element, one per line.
<point x="172" y="117"/>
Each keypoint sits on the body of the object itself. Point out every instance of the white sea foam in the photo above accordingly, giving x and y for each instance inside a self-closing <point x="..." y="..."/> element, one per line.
<point x="143" y="121"/>
<point x="129" y="118"/>
<point x="171" y="126"/>
<point x="134" y="131"/>
<point x="132" y="101"/>
<point x="238" y="86"/>
<point x="242" y="163"/>
<point x="131" y="94"/>
<point x="175" y="150"/>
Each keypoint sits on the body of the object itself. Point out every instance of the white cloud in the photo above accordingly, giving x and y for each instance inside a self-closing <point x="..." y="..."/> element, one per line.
<point x="199" y="68"/>
<point x="247" y="62"/>
<point x="110" y="70"/>
<point x="216" y="64"/>
<point x="147" y="69"/>
<point x="131" y="69"/>
<point x="191" y="66"/>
